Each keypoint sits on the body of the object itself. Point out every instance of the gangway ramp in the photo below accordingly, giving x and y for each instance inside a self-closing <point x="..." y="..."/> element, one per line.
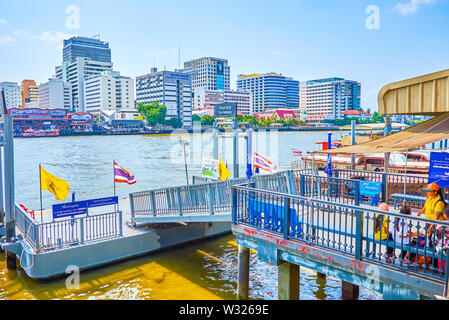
<point x="206" y="202"/>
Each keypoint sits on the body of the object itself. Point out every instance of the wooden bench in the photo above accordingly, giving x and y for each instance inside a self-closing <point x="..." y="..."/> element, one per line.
<point x="399" y="196"/>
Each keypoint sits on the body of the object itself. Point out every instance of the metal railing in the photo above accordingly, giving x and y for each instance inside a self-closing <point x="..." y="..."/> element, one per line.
<point x="392" y="183"/>
<point x="360" y="231"/>
<point x="204" y="198"/>
<point x="69" y="232"/>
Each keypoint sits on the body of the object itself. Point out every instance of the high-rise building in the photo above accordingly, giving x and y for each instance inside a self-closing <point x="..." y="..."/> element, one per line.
<point x="55" y="94"/>
<point x="270" y="91"/>
<point x="208" y="73"/>
<point x="83" y="47"/>
<point x="82" y="58"/>
<point x="30" y="92"/>
<point x="209" y="98"/>
<point x="76" y="72"/>
<point x="108" y="91"/>
<point x="12" y="94"/>
<point x="327" y="99"/>
<point x="171" y="89"/>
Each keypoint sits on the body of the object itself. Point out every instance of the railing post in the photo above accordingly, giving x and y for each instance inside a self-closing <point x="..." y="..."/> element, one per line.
<point x="291" y="185"/>
<point x="234" y="204"/>
<point x="169" y="206"/>
<point x="302" y="186"/>
<point x="211" y="199"/>
<point x="82" y="230"/>
<point x="384" y="186"/>
<point x="358" y="235"/>
<point x="37" y="239"/>
<point x="120" y="223"/>
<point x="153" y="203"/>
<point x="178" y="194"/>
<point x="131" y="205"/>
<point x="357" y="193"/>
<point x="286" y="217"/>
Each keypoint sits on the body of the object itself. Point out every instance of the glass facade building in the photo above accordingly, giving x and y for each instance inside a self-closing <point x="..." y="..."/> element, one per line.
<point x="93" y="49"/>
<point x="270" y="91"/>
<point x="327" y="99"/>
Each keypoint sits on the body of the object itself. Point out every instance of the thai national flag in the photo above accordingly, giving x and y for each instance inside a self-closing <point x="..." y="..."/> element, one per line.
<point x="333" y="145"/>
<point x="262" y="163"/>
<point x="123" y="176"/>
<point x="297" y="153"/>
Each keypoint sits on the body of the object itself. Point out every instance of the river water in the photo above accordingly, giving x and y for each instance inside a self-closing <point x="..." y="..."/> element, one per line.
<point x="199" y="271"/>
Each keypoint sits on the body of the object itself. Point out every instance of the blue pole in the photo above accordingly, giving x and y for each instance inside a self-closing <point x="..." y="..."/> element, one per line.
<point x="235" y="152"/>
<point x="249" y="154"/>
<point x="9" y="189"/>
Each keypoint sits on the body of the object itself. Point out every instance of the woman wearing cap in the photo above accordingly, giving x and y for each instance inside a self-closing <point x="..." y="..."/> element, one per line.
<point x="435" y="204"/>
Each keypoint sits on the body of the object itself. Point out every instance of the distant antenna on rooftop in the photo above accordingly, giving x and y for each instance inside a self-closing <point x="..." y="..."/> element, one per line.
<point x="179" y="58"/>
<point x="96" y="36"/>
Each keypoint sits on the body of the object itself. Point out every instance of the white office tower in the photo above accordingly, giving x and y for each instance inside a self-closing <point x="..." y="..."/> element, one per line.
<point x="205" y="99"/>
<point x="171" y="89"/>
<point x="327" y="99"/>
<point x="75" y="72"/>
<point x="13" y="96"/>
<point x="55" y="94"/>
<point x="108" y="91"/>
<point x="208" y="73"/>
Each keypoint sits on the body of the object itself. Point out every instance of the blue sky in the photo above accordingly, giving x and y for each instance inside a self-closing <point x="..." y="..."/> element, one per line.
<point x="307" y="39"/>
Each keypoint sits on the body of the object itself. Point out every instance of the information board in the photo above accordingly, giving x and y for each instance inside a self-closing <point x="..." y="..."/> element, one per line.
<point x="209" y="169"/>
<point x="225" y="110"/>
<point x="71" y="209"/>
<point x="439" y="169"/>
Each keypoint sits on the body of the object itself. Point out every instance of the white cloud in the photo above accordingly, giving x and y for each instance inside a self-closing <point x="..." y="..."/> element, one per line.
<point x="7" y="40"/>
<point x="3" y="21"/>
<point x="47" y="36"/>
<point x="411" y="7"/>
<point x="276" y="53"/>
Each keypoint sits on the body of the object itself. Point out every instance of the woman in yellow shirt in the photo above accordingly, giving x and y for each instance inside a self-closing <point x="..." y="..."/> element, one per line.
<point x="434" y="206"/>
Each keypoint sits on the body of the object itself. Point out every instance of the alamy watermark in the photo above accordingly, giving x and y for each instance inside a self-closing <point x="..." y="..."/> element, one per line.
<point x="73" y="280"/>
<point x="72" y="22"/>
<point x="372" y="22"/>
<point x="200" y="145"/>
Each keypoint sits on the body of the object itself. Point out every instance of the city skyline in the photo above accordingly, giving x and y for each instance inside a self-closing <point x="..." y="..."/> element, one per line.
<point x="301" y="39"/>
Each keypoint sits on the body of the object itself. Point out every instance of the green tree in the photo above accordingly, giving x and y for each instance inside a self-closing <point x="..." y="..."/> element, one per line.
<point x="207" y="120"/>
<point x="175" y="123"/>
<point x="196" y="118"/>
<point x="154" y="113"/>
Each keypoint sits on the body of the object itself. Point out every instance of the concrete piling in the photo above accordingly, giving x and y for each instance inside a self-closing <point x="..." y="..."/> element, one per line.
<point x="349" y="291"/>
<point x="288" y="281"/>
<point x="243" y="276"/>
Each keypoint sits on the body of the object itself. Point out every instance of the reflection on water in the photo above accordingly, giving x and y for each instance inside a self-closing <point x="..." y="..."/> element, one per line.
<point x="199" y="271"/>
<point x="194" y="272"/>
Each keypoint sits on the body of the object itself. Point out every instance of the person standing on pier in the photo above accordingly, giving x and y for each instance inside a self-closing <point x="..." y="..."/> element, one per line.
<point x="434" y="206"/>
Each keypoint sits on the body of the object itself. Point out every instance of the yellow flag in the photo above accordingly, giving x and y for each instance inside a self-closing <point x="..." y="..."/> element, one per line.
<point x="222" y="170"/>
<point x="60" y="188"/>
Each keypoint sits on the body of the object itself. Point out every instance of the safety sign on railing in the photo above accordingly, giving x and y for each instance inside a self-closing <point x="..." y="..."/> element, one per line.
<point x="71" y="209"/>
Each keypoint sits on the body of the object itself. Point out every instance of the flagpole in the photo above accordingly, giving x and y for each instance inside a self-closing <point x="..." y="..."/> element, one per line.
<point x="113" y="177"/>
<point x="113" y="174"/>
<point x="40" y="190"/>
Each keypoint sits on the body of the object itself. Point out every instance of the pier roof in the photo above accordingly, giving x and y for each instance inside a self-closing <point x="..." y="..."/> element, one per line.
<point x="433" y="130"/>
<point x="423" y="95"/>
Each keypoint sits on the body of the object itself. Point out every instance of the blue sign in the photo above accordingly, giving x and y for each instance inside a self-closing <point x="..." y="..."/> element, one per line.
<point x="439" y="169"/>
<point x="369" y="188"/>
<point x="225" y="110"/>
<point x="71" y="209"/>
<point x="102" y="202"/>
